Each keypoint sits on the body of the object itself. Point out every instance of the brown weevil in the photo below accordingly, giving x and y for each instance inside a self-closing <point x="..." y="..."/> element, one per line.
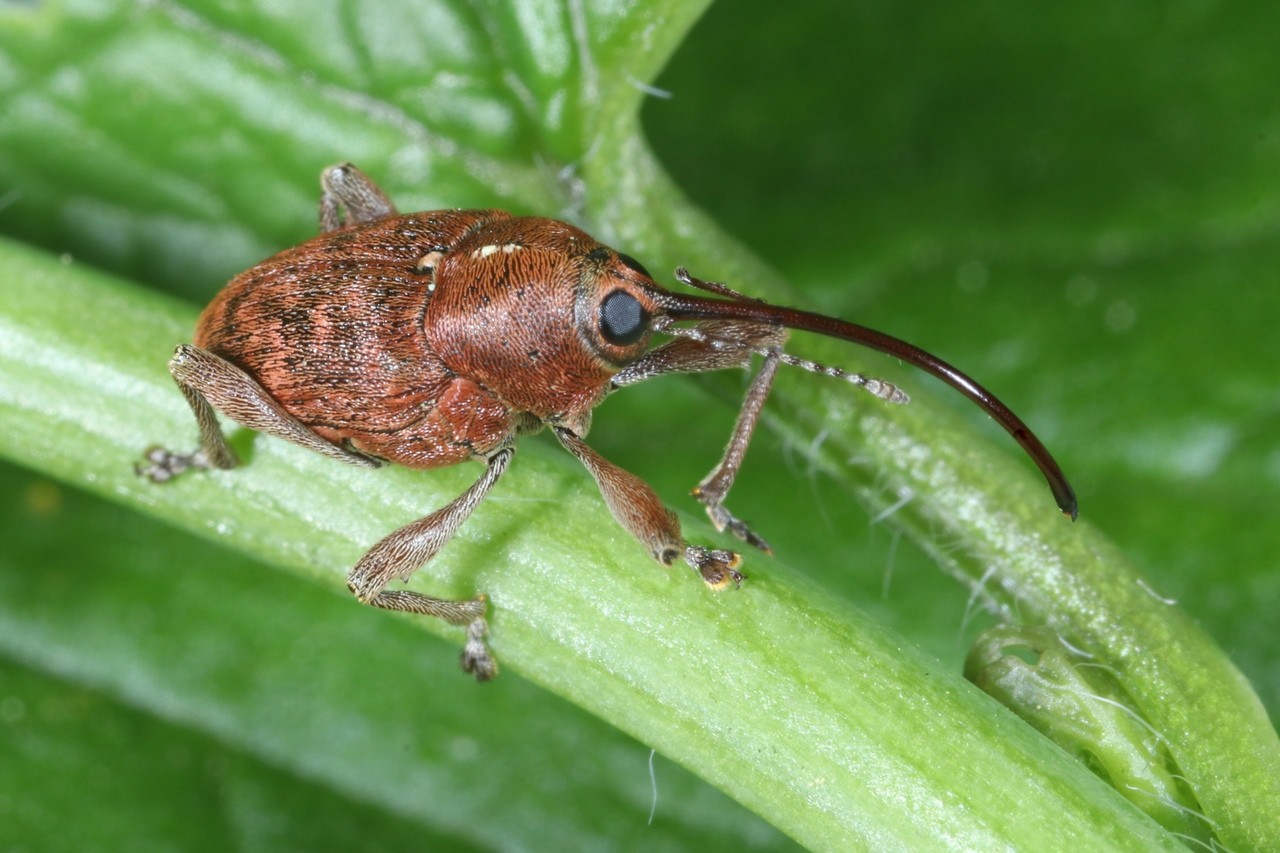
<point x="427" y="339"/>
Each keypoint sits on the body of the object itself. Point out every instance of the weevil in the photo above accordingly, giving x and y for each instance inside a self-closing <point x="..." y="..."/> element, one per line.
<point x="428" y="339"/>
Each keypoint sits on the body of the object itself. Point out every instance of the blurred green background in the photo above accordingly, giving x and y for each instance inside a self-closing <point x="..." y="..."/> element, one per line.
<point x="1078" y="205"/>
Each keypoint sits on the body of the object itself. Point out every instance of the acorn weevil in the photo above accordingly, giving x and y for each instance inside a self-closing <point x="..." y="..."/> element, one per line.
<point x="427" y="339"/>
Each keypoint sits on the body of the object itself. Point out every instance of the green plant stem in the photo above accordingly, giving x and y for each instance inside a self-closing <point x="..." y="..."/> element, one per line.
<point x="798" y="708"/>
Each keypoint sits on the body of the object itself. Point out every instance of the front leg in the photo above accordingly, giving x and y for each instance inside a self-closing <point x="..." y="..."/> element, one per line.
<point x="640" y="511"/>
<point x="717" y="345"/>
<point x="715" y="486"/>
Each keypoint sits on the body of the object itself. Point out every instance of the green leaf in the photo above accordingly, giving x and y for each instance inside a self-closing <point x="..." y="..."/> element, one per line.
<point x="1078" y="704"/>
<point x="176" y="144"/>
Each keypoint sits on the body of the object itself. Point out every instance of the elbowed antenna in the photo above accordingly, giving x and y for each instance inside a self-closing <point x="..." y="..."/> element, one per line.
<point x="739" y="307"/>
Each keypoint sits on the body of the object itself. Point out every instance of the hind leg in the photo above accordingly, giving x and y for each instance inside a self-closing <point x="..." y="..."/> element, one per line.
<point x="212" y="383"/>
<point x="349" y="190"/>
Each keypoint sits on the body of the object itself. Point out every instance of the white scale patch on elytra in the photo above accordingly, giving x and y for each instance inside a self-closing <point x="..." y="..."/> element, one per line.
<point x="493" y="248"/>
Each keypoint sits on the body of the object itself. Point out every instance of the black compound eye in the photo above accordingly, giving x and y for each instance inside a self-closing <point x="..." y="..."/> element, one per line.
<point x="623" y="319"/>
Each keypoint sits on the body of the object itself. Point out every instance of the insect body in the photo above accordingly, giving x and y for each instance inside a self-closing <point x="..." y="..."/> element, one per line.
<point x="427" y="339"/>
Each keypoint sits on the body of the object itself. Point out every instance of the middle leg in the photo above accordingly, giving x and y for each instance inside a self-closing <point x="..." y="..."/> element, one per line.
<point x="403" y="552"/>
